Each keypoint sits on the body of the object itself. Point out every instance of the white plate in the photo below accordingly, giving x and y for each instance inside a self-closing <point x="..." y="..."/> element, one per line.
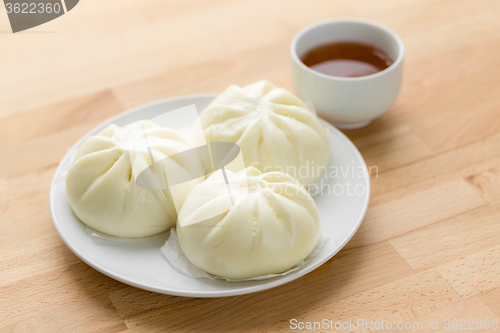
<point x="140" y="262"/>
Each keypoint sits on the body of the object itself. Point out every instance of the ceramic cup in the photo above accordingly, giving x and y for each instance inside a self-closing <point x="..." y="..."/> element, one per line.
<point x="348" y="102"/>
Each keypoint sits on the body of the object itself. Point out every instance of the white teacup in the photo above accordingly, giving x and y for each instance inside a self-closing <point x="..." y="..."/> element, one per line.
<point x="348" y="102"/>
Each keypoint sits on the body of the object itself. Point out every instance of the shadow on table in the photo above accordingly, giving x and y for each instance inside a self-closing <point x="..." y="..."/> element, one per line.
<point x="268" y="309"/>
<point x="261" y="311"/>
<point x="381" y="124"/>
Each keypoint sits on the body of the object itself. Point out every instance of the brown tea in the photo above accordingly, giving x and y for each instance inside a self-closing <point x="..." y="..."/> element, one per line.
<point x="347" y="59"/>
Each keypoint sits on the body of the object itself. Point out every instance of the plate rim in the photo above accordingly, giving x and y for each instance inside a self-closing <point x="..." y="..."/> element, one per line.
<point x="217" y="293"/>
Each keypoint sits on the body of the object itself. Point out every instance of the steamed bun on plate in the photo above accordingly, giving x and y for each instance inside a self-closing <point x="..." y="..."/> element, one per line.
<point x="275" y="130"/>
<point x="101" y="185"/>
<point x="272" y="225"/>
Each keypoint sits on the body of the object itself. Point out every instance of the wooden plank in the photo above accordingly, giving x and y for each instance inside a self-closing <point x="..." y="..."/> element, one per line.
<point x="7" y="200"/>
<point x="466" y="173"/>
<point x="26" y="192"/>
<point x="392" y="148"/>
<point x="90" y="109"/>
<point x="468" y="314"/>
<point x="475" y="273"/>
<point x="54" y="290"/>
<point x="348" y="273"/>
<point x="210" y="77"/>
<point x="450" y="239"/>
<point x="40" y="153"/>
<point x="403" y="215"/>
<point x="465" y="126"/>
<point x="398" y="301"/>
<point x="488" y="185"/>
<point x="106" y="66"/>
<point x="438" y="165"/>
<point x="94" y="315"/>
<point x="435" y="113"/>
<point x="32" y="258"/>
<point x="27" y="217"/>
<point x="24" y="224"/>
<point x="492" y="299"/>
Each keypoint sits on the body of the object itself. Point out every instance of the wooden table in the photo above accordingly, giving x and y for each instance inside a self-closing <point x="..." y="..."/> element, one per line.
<point x="429" y="247"/>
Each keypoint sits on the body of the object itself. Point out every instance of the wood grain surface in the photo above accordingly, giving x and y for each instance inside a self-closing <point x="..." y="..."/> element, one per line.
<point x="429" y="247"/>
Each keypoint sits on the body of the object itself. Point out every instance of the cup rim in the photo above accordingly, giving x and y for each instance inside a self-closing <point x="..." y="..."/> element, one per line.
<point x="374" y="24"/>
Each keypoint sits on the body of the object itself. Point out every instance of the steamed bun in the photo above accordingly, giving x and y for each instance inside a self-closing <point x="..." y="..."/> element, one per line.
<point x="275" y="130"/>
<point x="273" y="225"/>
<point x="101" y="185"/>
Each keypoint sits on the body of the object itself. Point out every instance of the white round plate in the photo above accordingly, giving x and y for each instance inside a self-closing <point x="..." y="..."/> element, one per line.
<point x="140" y="263"/>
